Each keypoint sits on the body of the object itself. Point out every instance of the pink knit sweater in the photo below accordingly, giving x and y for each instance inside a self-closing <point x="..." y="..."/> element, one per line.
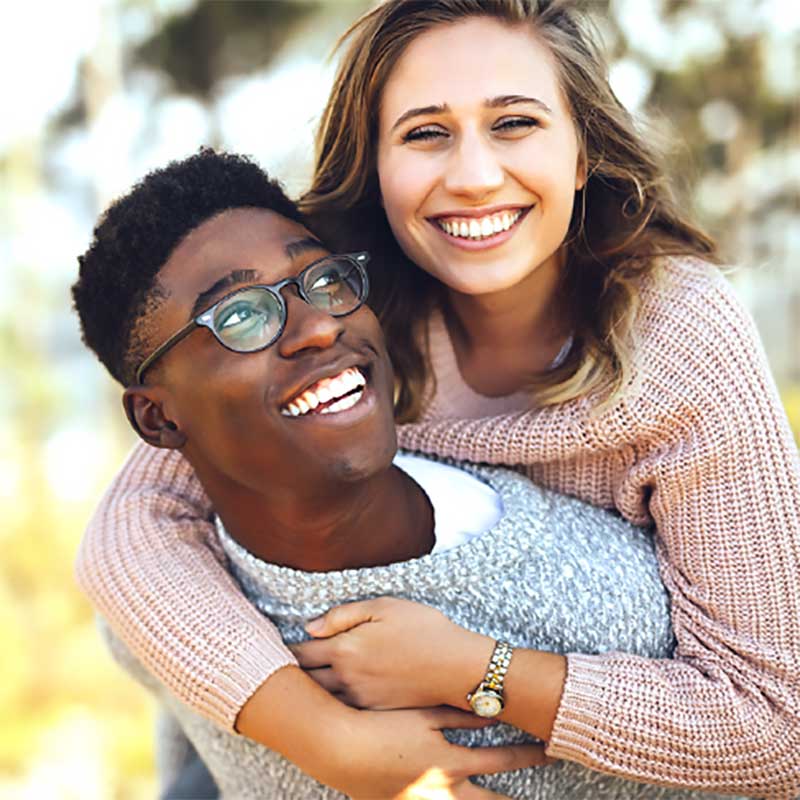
<point x="699" y="445"/>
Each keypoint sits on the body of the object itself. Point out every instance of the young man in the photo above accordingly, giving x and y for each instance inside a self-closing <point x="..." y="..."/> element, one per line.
<point x="283" y="407"/>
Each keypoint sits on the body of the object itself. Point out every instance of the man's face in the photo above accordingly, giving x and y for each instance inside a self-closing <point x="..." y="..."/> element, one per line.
<point x="242" y="413"/>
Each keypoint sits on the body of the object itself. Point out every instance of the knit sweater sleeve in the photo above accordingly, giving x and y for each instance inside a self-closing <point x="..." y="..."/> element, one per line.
<point x="151" y="565"/>
<point x="703" y="449"/>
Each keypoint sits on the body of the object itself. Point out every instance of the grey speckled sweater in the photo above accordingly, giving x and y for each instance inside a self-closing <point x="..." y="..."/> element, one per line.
<point x="554" y="574"/>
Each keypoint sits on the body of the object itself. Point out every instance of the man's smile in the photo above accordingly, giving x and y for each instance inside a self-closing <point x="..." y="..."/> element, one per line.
<point x="329" y="395"/>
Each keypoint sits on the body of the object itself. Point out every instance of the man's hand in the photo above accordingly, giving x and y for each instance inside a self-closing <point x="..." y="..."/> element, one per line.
<point x="373" y="755"/>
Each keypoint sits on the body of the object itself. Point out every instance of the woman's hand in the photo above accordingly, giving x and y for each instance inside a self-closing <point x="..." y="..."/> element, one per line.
<point x="403" y="754"/>
<point x="374" y="755"/>
<point x="392" y="653"/>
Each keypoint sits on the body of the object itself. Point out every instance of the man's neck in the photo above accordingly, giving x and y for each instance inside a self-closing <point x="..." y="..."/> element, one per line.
<point x="376" y="521"/>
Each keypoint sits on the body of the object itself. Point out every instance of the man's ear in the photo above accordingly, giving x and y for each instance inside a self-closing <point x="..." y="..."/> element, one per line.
<point x="144" y="408"/>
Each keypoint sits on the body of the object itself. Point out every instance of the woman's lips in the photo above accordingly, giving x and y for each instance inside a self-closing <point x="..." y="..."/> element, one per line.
<point x="478" y="233"/>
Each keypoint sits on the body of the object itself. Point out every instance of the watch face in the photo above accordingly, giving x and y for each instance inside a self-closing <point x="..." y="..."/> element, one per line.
<point x="486" y="704"/>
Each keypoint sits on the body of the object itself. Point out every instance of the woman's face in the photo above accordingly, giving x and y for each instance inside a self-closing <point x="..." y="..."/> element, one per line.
<point x="478" y="158"/>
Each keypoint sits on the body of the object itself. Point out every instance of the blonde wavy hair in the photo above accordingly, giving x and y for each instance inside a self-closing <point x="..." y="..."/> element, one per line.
<point x="624" y="219"/>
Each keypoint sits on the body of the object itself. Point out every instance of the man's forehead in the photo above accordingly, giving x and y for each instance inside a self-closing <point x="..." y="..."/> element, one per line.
<point x="242" y="238"/>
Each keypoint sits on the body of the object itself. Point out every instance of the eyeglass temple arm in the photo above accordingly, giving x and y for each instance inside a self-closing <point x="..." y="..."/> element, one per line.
<point x="163" y="347"/>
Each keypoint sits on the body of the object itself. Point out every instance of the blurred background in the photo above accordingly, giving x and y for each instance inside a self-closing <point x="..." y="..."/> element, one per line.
<point x="98" y="92"/>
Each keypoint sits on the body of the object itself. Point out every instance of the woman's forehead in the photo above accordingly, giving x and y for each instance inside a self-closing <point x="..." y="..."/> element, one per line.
<point x="467" y="62"/>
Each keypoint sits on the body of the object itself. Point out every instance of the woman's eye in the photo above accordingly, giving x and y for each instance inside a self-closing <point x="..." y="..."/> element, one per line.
<point x="425" y="133"/>
<point x="515" y="124"/>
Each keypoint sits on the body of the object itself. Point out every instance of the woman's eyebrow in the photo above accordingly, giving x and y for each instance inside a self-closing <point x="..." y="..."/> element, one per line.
<point x="503" y="100"/>
<point x="493" y="102"/>
<point x="418" y="112"/>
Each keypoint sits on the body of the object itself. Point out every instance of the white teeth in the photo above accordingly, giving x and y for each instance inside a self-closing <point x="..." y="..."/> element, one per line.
<point x="343" y="404"/>
<point x="326" y="390"/>
<point x="480" y="228"/>
<point x="324" y="395"/>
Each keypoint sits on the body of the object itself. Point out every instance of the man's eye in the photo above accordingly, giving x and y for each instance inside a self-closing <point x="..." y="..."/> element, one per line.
<point x="325" y="281"/>
<point x="425" y="133"/>
<point x="240" y="313"/>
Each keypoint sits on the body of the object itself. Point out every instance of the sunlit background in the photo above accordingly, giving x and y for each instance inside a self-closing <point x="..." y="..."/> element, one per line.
<point x="96" y="93"/>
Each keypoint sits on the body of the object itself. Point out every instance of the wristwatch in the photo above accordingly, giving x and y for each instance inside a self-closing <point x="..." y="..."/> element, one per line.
<point x="487" y="700"/>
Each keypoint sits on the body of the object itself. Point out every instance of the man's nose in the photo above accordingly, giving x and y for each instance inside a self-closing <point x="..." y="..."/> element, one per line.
<point x="306" y="326"/>
<point x="474" y="169"/>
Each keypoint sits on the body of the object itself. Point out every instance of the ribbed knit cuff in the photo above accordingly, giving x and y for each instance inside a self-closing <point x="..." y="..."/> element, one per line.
<point x="226" y="696"/>
<point x="575" y="728"/>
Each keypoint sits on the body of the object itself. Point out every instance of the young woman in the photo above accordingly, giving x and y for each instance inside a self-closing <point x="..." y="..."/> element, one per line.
<point x="547" y="306"/>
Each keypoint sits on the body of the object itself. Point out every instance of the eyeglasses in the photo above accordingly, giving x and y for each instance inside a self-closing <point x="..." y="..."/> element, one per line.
<point x="253" y="317"/>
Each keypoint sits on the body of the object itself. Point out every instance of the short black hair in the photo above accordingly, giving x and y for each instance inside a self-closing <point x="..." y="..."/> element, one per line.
<point x="117" y="284"/>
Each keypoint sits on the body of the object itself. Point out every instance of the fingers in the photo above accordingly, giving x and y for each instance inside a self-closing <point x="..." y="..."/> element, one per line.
<point x="327" y="679"/>
<point x="469" y="791"/>
<point x="436" y="785"/>
<point x="312" y="654"/>
<point x="486" y="760"/>
<point x="341" y="618"/>
<point x="445" y="717"/>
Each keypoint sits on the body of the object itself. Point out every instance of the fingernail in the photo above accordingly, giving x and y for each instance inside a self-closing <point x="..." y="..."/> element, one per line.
<point x="314" y="625"/>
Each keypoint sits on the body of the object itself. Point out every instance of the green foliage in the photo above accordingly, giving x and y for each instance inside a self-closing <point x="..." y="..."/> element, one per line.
<point x="215" y="40"/>
<point x="791" y="402"/>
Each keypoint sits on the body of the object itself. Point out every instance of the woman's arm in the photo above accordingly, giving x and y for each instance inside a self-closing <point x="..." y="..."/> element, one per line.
<point x="355" y="656"/>
<point x="703" y="447"/>
<point x="374" y="754"/>
<point x="148" y="565"/>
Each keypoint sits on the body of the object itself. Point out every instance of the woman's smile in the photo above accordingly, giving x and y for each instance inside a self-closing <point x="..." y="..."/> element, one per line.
<point x="478" y="175"/>
<point x="480" y="230"/>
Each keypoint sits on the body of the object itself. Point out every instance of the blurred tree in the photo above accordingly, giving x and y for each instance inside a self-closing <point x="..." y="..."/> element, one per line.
<point x="216" y="40"/>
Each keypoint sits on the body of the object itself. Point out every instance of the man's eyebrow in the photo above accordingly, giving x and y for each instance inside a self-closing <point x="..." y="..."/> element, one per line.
<point x="207" y="296"/>
<point x="503" y="100"/>
<point x="300" y="247"/>
<point x="293" y="250"/>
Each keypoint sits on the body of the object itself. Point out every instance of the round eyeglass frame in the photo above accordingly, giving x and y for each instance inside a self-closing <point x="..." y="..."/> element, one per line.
<point x="206" y="318"/>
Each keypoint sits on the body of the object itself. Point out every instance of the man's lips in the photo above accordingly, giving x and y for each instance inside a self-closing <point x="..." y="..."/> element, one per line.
<point x="330" y="394"/>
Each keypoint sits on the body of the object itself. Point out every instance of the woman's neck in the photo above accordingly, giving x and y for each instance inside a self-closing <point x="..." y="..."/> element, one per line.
<point x="502" y="339"/>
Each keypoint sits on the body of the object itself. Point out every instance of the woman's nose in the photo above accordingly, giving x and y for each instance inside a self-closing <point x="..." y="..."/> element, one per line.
<point x="473" y="169"/>
<point x="307" y="327"/>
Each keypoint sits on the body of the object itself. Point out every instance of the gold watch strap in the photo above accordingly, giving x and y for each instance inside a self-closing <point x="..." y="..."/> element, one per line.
<point x="498" y="666"/>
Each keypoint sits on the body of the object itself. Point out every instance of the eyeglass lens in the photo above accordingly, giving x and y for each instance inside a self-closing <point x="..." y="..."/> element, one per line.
<point x="252" y="318"/>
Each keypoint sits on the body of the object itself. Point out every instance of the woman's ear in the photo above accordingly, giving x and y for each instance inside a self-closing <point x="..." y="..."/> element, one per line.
<point x="145" y="411"/>
<point x="581" y="172"/>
